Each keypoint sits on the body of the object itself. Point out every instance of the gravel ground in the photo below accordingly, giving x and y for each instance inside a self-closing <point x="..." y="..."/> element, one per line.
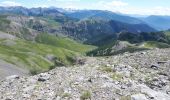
<point x="130" y="76"/>
<point x="7" y="69"/>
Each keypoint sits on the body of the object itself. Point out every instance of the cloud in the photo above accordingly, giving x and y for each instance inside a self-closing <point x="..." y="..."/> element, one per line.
<point x="124" y="7"/>
<point x="160" y="10"/>
<point x="69" y="0"/>
<point x="116" y="3"/>
<point x="111" y="5"/>
<point x="9" y="3"/>
<point x="145" y="11"/>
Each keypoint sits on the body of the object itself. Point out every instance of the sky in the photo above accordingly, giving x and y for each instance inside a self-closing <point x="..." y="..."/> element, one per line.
<point x="140" y="7"/>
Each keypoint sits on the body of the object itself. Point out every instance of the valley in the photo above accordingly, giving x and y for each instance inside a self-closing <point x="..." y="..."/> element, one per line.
<point x="59" y="54"/>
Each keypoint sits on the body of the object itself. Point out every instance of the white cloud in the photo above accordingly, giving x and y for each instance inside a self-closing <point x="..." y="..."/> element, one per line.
<point x="115" y="3"/>
<point x="123" y="7"/>
<point x="9" y="3"/>
<point x="65" y="0"/>
<point x="160" y="10"/>
<point x="144" y="11"/>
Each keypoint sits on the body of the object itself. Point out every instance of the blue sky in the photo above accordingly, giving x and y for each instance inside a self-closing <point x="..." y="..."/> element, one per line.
<point x="142" y="7"/>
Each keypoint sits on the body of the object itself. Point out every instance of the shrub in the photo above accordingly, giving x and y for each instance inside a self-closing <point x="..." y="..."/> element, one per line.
<point x="34" y="71"/>
<point x="85" y="95"/>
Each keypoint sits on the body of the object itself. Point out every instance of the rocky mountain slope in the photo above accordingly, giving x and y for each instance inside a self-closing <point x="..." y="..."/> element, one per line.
<point x="129" y="76"/>
<point x="93" y="30"/>
<point x="131" y="42"/>
<point x="51" y="20"/>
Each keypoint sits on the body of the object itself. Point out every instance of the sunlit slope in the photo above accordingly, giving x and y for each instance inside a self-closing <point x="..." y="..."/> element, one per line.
<point x="34" y="56"/>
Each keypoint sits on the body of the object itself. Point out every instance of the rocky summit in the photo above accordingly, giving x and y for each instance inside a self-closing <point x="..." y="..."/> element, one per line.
<point x="143" y="75"/>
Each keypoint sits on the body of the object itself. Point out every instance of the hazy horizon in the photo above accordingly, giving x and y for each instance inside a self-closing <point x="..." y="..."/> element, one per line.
<point x="134" y="7"/>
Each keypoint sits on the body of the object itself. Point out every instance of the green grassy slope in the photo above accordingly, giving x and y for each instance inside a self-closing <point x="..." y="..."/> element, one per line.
<point x="113" y="48"/>
<point x="33" y="56"/>
<point x="154" y="44"/>
<point x="63" y="42"/>
<point x="167" y="33"/>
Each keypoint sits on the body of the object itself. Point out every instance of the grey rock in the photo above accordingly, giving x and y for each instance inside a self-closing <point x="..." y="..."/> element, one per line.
<point x="43" y="77"/>
<point x="138" y="97"/>
<point x="154" y="94"/>
<point x="155" y="66"/>
<point x="12" y="77"/>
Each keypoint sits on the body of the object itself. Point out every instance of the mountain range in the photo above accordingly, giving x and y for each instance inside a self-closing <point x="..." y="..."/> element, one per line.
<point x="43" y="38"/>
<point x="65" y="54"/>
<point x="158" y="22"/>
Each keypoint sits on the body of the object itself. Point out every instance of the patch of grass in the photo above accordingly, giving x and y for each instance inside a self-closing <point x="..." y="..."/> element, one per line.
<point x="116" y="76"/>
<point x="167" y="34"/>
<point x="52" y="23"/>
<point x="106" y="69"/>
<point x="34" y="71"/>
<point x="125" y="97"/>
<point x="108" y="51"/>
<point x="154" y="44"/>
<point x="66" y="95"/>
<point x="63" y="42"/>
<point x="85" y="95"/>
<point x="128" y="49"/>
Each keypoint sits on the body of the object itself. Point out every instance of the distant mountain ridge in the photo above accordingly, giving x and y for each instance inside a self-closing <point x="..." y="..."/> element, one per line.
<point x="88" y="26"/>
<point x="93" y="30"/>
<point x="158" y="22"/>
<point x="107" y="15"/>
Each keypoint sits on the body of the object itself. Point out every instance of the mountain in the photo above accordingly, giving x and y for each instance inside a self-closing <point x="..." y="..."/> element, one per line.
<point x="107" y="15"/>
<point x="64" y="54"/>
<point x="133" y="28"/>
<point x="27" y="46"/>
<point x="131" y="42"/>
<point x="51" y="13"/>
<point x="158" y="22"/>
<point x="93" y="30"/>
<point x="44" y="38"/>
<point x="52" y="21"/>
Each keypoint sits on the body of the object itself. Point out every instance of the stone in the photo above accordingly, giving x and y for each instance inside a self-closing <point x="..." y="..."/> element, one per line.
<point x="12" y="77"/>
<point x="155" y="66"/>
<point x="43" y="77"/>
<point x="162" y="62"/>
<point x="29" y="88"/>
<point x="143" y="53"/>
<point x="138" y="97"/>
<point x="156" y="95"/>
<point x="123" y="87"/>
